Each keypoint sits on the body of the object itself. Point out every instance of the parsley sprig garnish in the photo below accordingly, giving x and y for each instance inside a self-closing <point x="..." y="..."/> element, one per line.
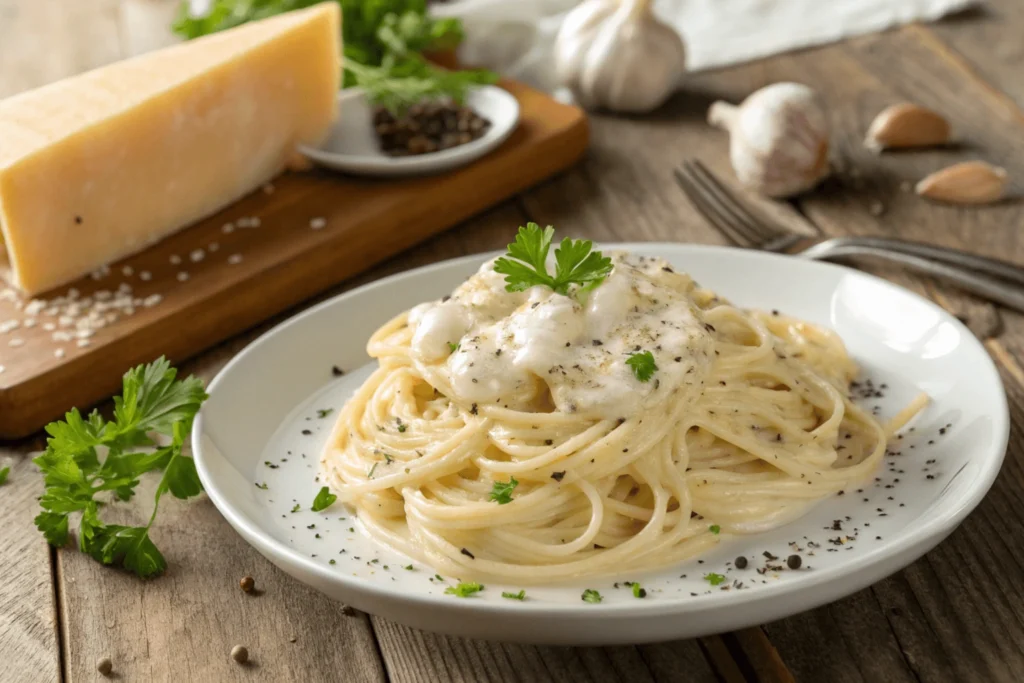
<point x="525" y="264"/>
<point x="642" y="365"/>
<point x="152" y="402"/>
<point x="501" y="492"/>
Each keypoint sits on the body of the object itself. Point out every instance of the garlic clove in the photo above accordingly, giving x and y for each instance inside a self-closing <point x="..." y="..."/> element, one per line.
<point x="907" y="125"/>
<point x="970" y="182"/>
<point x="779" y="139"/>
<point x="618" y="56"/>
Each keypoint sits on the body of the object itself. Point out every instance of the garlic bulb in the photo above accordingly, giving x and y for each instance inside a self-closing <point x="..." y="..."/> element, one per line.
<point x="778" y="138"/>
<point x="616" y="55"/>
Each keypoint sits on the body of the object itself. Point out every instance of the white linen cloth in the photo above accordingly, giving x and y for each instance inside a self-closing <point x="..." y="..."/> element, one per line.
<point x="515" y="36"/>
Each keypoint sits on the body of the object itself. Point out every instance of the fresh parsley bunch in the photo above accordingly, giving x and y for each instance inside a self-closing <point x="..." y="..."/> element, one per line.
<point x="384" y="41"/>
<point x="86" y="457"/>
<point x="525" y="264"/>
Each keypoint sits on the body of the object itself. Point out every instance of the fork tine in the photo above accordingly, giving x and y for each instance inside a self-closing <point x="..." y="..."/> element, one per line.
<point x="758" y="231"/>
<point x="707" y="209"/>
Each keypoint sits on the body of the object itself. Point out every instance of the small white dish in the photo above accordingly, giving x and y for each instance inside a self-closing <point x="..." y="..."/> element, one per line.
<point x="352" y="145"/>
<point x="263" y="408"/>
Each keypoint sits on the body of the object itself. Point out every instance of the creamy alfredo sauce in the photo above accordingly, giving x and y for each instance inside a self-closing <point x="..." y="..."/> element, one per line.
<point x="516" y="348"/>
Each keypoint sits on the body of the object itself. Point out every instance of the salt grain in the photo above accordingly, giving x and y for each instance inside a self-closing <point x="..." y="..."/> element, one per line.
<point x="16" y="342"/>
<point x="213" y="247"/>
<point x="9" y="326"/>
<point x="127" y="271"/>
<point x="182" y="276"/>
<point x="2" y="368"/>
<point x="175" y="259"/>
<point x="227" y="228"/>
<point x="82" y="343"/>
<point x="197" y="255"/>
<point x="59" y="353"/>
<point x="235" y="259"/>
<point x="152" y="300"/>
<point x="318" y="223"/>
<point x="145" y="276"/>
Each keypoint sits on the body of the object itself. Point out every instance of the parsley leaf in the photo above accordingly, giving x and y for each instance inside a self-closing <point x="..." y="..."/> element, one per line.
<point x="591" y="595"/>
<point x="638" y="592"/>
<point x="643" y="365"/>
<point x="152" y="401"/>
<point x="464" y="590"/>
<point x="714" y="579"/>
<point x="296" y="507"/>
<point x="521" y="595"/>
<point x="3" y="475"/>
<point x="454" y="346"/>
<point x="501" y="493"/>
<point x="715" y="529"/>
<point x="324" y="499"/>
<point x="525" y="263"/>
<point x="324" y="412"/>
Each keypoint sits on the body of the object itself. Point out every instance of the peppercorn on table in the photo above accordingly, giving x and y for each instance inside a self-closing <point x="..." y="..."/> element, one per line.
<point x="223" y="613"/>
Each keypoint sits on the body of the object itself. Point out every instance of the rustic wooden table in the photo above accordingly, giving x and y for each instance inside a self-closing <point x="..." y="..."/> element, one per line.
<point x="955" y="615"/>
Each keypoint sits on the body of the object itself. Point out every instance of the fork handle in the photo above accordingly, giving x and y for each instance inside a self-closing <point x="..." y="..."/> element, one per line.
<point x="993" y="289"/>
<point x="953" y="257"/>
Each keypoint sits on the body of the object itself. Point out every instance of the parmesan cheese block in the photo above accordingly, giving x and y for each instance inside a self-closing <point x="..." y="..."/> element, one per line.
<point x="98" y="166"/>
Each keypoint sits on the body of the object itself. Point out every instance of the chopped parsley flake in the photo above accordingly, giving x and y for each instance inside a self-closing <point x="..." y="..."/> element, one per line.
<point x="639" y="592"/>
<point x="502" y="491"/>
<point x="402" y="428"/>
<point x="714" y="579"/>
<point x="643" y="365"/>
<point x="464" y="589"/>
<point x="591" y="595"/>
<point x="454" y="346"/>
<point x="296" y="507"/>
<point x="3" y="475"/>
<point x="714" y="528"/>
<point x="324" y="499"/>
<point x="324" y="412"/>
<point x="521" y="595"/>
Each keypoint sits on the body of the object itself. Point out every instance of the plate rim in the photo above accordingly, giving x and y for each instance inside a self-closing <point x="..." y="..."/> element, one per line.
<point x="926" y="535"/>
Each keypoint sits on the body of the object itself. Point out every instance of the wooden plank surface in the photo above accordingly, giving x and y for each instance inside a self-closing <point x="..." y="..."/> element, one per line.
<point x="956" y="615"/>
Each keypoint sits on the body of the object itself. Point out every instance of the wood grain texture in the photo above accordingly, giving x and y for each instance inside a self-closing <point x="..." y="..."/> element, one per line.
<point x="988" y="36"/>
<point x="256" y="272"/>
<point x="28" y="613"/>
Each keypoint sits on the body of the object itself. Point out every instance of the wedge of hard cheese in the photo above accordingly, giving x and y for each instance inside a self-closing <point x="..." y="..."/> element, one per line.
<point x="100" y="165"/>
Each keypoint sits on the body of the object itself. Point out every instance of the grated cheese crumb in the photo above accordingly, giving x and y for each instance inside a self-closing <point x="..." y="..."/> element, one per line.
<point x="16" y="342"/>
<point x="318" y="223"/>
<point x="59" y="353"/>
<point x="235" y="259"/>
<point x="227" y="228"/>
<point x="197" y="255"/>
<point x="175" y="259"/>
<point x="127" y="271"/>
<point x="145" y="276"/>
<point x="182" y="276"/>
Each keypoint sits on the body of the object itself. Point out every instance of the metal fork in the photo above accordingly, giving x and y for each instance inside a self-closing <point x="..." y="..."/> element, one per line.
<point x="991" y="279"/>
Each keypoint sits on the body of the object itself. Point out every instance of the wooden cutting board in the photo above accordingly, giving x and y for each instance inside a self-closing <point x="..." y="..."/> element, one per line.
<point x="210" y="281"/>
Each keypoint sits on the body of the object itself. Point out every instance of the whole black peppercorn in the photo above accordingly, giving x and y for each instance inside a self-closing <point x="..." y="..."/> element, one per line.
<point x="740" y="562"/>
<point x="794" y="561"/>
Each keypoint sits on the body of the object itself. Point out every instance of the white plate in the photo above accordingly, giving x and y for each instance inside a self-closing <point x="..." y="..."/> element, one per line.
<point x="264" y="400"/>
<point x="352" y="145"/>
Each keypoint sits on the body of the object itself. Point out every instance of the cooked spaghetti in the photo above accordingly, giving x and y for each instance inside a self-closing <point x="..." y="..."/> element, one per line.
<point x="533" y="436"/>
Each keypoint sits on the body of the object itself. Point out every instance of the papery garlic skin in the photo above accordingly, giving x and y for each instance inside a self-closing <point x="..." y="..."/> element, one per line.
<point x="779" y="139"/>
<point x="616" y="55"/>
